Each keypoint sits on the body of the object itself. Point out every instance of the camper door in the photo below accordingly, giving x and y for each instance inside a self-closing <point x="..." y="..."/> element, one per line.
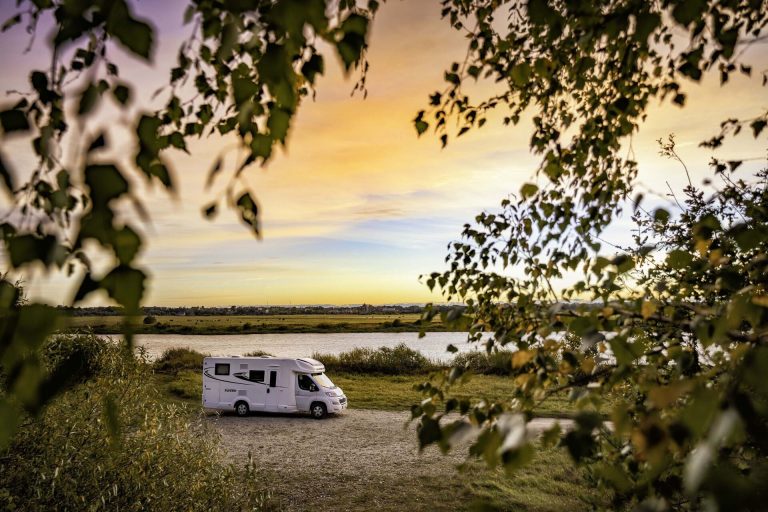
<point x="273" y="391"/>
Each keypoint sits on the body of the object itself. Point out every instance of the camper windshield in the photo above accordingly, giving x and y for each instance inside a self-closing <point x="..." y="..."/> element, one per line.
<point x="324" y="381"/>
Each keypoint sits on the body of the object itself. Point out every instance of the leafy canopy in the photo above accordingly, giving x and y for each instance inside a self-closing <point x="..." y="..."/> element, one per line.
<point x="244" y="70"/>
<point x="680" y="317"/>
<point x="672" y="328"/>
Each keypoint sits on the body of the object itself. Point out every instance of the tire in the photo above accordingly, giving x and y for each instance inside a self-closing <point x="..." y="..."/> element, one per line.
<point x="318" y="410"/>
<point x="242" y="409"/>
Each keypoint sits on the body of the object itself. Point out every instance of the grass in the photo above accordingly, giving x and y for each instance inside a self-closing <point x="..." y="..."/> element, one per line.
<point x="548" y="483"/>
<point x="382" y="392"/>
<point x="176" y="359"/>
<point x="398" y="360"/>
<point x="383" y="379"/>
<point x="261" y="324"/>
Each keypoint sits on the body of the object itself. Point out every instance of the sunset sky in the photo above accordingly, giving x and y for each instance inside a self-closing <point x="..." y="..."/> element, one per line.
<point x="357" y="207"/>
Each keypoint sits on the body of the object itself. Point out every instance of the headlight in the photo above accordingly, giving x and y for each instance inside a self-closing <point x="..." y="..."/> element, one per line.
<point x="329" y="393"/>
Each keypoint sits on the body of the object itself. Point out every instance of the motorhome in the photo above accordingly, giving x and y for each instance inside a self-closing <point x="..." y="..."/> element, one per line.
<point x="245" y="384"/>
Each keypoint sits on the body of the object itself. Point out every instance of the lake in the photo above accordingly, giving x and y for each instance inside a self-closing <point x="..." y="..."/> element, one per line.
<point x="304" y="344"/>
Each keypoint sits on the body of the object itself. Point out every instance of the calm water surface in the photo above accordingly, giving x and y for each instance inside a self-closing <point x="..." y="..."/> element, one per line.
<point x="304" y="344"/>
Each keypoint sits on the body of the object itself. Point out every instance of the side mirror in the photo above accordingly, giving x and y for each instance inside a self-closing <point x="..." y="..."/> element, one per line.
<point x="312" y="387"/>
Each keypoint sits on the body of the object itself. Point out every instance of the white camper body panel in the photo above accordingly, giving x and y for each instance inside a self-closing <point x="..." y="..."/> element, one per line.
<point x="268" y="384"/>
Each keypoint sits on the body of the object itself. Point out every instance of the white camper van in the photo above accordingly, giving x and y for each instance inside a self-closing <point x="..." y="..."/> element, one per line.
<point x="246" y="384"/>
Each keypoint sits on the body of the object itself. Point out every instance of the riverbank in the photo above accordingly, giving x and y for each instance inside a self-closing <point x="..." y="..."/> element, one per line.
<point x="258" y="324"/>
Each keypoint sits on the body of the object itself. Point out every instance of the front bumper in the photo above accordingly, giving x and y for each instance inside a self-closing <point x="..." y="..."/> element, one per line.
<point x="338" y="404"/>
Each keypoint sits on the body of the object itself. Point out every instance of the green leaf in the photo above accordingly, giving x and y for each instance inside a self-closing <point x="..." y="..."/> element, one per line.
<point x="276" y="71"/>
<point x="39" y="81"/>
<point x="350" y="46"/>
<point x="528" y="190"/>
<point x="24" y="249"/>
<point x="87" y="286"/>
<point x="679" y="259"/>
<point x="88" y="100"/>
<point x="645" y="24"/>
<point x="125" y="285"/>
<point x="106" y="183"/>
<point x="428" y="432"/>
<point x="177" y="140"/>
<point x="313" y="67"/>
<point x="686" y="12"/>
<point x="136" y="36"/>
<point x="99" y="142"/>
<point x="540" y="13"/>
<point x="249" y="212"/>
<point x="215" y="169"/>
<point x="278" y="123"/>
<point x="243" y="88"/>
<point x="7" y="176"/>
<point x="757" y="126"/>
<point x="122" y="94"/>
<point x="521" y="74"/>
<point x="210" y="211"/>
<point x="421" y="126"/>
<point x="126" y="243"/>
<point x="261" y="146"/>
<point x="10" y="22"/>
<point x="13" y="120"/>
<point x="623" y="352"/>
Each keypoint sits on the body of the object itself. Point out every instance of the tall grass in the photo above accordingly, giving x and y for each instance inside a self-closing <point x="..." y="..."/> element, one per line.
<point x="113" y="442"/>
<point x="174" y="360"/>
<point x="494" y="363"/>
<point x="385" y="360"/>
<point x="402" y="360"/>
<point x="257" y="353"/>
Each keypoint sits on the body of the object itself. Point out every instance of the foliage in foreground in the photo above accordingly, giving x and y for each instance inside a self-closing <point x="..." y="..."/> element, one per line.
<point x="681" y="312"/>
<point x="112" y="443"/>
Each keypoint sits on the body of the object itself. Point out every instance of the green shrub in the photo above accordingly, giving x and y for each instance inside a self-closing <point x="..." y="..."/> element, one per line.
<point x="187" y="384"/>
<point x="495" y="363"/>
<point x="88" y="350"/>
<point x="257" y="353"/>
<point x="384" y="360"/>
<point x="175" y="359"/>
<point x="113" y="443"/>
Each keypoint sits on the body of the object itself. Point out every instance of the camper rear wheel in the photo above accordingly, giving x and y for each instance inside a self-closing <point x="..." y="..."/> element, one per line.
<point x="241" y="409"/>
<point x="318" y="410"/>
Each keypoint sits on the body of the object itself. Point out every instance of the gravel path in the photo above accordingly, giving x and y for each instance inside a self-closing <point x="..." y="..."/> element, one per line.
<point x="361" y="459"/>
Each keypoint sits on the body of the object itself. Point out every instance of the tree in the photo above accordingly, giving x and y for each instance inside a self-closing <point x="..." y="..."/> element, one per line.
<point x="244" y="69"/>
<point x="682" y="314"/>
<point x="687" y="342"/>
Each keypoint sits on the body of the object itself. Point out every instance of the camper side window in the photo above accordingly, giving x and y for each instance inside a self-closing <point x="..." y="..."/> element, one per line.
<point x="256" y="375"/>
<point x="222" y="369"/>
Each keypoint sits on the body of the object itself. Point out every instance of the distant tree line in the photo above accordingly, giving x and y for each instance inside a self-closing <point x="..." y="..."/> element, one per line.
<point x="363" y="309"/>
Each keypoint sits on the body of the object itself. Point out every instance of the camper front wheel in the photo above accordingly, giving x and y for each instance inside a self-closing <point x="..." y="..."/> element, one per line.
<point x="241" y="409"/>
<point x="318" y="410"/>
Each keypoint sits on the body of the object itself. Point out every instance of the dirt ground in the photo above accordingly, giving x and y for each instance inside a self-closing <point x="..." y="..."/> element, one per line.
<point x="361" y="459"/>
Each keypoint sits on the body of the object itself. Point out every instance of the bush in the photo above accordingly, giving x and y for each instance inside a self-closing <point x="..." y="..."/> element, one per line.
<point x="86" y="349"/>
<point x="187" y="384"/>
<point x="149" y="320"/>
<point x="175" y="359"/>
<point x="495" y="363"/>
<point x="391" y="361"/>
<point x="113" y="443"/>
<point x="258" y="353"/>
